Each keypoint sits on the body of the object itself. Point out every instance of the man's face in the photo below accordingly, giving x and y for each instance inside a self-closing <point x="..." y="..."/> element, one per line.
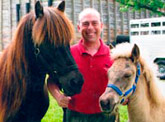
<point x="90" y="27"/>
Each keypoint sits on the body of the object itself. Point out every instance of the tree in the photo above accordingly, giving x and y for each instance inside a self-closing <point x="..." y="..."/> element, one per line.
<point x="156" y="6"/>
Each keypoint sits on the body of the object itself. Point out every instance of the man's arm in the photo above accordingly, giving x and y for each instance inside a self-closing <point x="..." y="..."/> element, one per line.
<point x="61" y="99"/>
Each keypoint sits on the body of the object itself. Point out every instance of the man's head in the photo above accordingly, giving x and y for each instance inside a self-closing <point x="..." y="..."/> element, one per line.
<point x="90" y="25"/>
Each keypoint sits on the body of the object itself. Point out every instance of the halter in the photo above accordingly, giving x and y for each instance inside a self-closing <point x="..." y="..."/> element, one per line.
<point x="120" y="93"/>
<point x="51" y="69"/>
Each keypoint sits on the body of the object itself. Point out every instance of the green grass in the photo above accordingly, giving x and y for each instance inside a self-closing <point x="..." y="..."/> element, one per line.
<point x="123" y="114"/>
<point x="55" y="113"/>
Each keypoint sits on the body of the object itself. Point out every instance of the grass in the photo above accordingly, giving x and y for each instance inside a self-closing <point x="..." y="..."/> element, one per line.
<point x="55" y="113"/>
<point x="123" y="114"/>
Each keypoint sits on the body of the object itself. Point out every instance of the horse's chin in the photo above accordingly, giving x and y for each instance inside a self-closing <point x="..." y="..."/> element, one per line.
<point x="110" y="111"/>
<point x="107" y="112"/>
<point x="72" y="91"/>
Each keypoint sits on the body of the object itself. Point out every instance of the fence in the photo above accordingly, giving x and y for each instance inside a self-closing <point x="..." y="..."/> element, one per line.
<point x="115" y="22"/>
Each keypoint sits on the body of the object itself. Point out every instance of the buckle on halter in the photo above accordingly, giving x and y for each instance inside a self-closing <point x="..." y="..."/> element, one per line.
<point x="121" y="97"/>
<point x="55" y="71"/>
<point x="37" y="51"/>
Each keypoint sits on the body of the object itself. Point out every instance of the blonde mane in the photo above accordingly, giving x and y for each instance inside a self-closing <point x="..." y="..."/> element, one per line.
<point x="147" y="67"/>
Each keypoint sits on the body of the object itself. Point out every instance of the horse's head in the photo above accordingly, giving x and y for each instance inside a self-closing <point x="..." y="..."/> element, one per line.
<point x="123" y="76"/>
<point x="52" y="33"/>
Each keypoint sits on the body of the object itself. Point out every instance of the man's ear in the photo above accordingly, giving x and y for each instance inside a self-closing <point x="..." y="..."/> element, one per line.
<point x="111" y="46"/>
<point x="101" y="26"/>
<point x="78" y="27"/>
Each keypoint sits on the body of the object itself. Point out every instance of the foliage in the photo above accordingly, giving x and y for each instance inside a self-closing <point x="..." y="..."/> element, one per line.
<point x="156" y="6"/>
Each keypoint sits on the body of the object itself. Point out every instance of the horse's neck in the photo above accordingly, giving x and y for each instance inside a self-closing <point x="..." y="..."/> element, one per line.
<point x="137" y="102"/>
<point x="142" y="103"/>
<point x="36" y="76"/>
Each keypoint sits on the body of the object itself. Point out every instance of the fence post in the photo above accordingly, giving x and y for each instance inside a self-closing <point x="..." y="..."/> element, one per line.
<point x="10" y="19"/>
<point x="17" y="12"/>
<point x="1" y="26"/>
<point x="108" y="23"/>
<point x="50" y="2"/>
<point x="101" y="15"/>
<point x="27" y="7"/>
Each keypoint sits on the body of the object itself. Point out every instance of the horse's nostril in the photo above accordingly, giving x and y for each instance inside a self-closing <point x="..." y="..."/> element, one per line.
<point x="80" y="81"/>
<point x="105" y="104"/>
<point x="73" y="82"/>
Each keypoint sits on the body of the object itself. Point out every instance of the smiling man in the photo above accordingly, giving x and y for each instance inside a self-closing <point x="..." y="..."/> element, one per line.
<point x="93" y="59"/>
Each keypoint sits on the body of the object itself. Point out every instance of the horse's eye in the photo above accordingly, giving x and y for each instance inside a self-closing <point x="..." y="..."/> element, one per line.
<point x="127" y="75"/>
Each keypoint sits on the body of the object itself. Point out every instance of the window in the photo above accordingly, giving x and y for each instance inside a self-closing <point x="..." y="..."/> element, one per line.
<point x="144" y="25"/>
<point x="163" y="31"/>
<point x="155" y="32"/>
<point x="163" y="23"/>
<point x="144" y="32"/>
<point x="155" y="24"/>
<point x="134" y="25"/>
<point x="134" y="33"/>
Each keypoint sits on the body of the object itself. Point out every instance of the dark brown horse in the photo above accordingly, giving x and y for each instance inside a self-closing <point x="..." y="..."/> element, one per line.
<point x="40" y="46"/>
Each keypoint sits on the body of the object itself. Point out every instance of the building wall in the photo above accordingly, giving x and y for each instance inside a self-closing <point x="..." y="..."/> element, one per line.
<point x="115" y="22"/>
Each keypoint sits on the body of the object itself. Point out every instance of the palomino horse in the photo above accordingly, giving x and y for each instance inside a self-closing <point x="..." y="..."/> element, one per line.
<point x="131" y="80"/>
<point x="41" y="45"/>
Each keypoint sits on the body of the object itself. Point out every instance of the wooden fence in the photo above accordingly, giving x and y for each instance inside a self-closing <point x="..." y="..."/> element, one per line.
<point x="115" y="22"/>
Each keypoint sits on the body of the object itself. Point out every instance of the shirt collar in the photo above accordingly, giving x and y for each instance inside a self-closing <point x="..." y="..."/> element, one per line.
<point x="103" y="50"/>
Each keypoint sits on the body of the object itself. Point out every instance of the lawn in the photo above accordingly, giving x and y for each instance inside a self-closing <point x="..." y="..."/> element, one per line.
<point x="54" y="113"/>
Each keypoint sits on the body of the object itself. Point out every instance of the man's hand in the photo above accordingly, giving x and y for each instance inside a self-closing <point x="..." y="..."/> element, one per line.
<point x="63" y="100"/>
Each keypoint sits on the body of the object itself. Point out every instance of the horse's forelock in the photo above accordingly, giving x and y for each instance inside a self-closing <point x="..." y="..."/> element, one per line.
<point x="56" y="25"/>
<point x="121" y="50"/>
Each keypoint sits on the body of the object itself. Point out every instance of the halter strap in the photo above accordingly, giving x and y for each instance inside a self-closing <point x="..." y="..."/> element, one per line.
<point x="54" y="70"/>
<point x="115" y="88"/>
<point x="67" y="69"/>
<point x="120" y="93"/>
<point x="137" y="77"/>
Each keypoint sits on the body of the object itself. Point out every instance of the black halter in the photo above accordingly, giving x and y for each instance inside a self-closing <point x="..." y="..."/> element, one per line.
<point x="53" y="70"/>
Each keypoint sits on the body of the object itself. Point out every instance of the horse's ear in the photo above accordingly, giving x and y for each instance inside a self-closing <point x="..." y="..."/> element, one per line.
<point x="135" y="53"/>
<point x="61" y="6"/>
<point x="111" y="46"/>
<point x="39" y="10"/>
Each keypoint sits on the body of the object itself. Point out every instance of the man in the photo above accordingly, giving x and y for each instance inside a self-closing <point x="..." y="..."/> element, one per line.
<point x="93" y="59"/>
